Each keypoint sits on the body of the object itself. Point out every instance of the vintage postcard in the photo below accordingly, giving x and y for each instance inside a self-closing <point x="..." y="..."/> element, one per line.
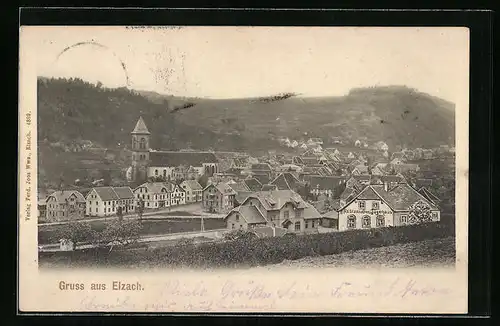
<point x="236" y="169"/>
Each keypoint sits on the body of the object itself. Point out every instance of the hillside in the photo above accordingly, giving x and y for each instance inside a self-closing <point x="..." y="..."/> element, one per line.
<point x="75" y="111"/>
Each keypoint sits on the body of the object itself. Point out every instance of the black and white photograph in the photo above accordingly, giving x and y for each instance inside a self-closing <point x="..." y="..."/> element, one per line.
<point x="247" y="150"/>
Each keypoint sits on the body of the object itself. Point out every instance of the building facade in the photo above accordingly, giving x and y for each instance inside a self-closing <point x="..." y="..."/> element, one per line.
<point x="193" y="191"/>
<point x="218" y="198"/>
<point x="65" y="205"/>
<point x="106" y="201"/>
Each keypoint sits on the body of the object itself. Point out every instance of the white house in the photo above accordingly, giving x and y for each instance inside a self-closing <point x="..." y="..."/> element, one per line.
<point x="379" y="206"/>
<point x="193" y="190"/>
<point x="104" y="201"/>
<point x="154" y="195"/>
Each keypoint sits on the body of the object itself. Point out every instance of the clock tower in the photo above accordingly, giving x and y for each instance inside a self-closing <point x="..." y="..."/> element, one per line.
<point x="140" y="151"/>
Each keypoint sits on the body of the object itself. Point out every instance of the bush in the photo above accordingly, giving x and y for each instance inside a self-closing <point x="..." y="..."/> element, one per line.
<point x="248" y="251"/>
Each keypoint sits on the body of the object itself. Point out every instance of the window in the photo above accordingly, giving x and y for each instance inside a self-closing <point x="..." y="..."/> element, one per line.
<point x="298" y="212"/>
<point x="237" y="218"/>
<point x="156" y="172"/>
<point x="351" y="222"/>
<point x="380" y="221"/>
<point x="434" y="215"/>
<point x="286" y="214"/>
<point x="312" y="222"/>
<point x="306" y="224"/>
<point x="297" y="226"/>
<point x="232" y="226"/>
<point x="404" y="218"/>
<point x="361" y="204"/>
<point x="375" y="205"/>
<point x="143" y="143"/>
<point x="367" y="221"/>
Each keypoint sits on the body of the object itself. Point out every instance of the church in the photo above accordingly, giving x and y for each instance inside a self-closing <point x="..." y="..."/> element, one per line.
<point x="149" y="163"/>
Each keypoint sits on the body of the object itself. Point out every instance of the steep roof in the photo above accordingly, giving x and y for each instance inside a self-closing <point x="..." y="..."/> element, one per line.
<point x="239" y="186"/>
<point x="268" y="187"/>
<point x="154" y="187"/>
<point x="276" y="199"/>
<point x="140" y="127"/>
<point x="225" y="189"/>
<point x="253" y="184"/>
<point x="124" y="192"/>
<point x="401" y="197"/>
<point x="250" y="214"/>
<point x="261" y="167"/>
<point x="172" y="158"/>
<point x="263" y="178"/>
<point x="106" y="193"/>
<point x="286" y="181"/>
<point x="310" y="212"/>
<point x="242" y="196"/>
<point x="325" y="182"/>
<point x="62" y="195"/>
<point x="193" y="184"/>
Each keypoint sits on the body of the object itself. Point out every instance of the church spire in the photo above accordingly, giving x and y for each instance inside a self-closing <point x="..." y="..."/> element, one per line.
<point x="140" y="127"/>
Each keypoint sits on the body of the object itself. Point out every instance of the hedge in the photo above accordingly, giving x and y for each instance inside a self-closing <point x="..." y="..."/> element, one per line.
<point x="253" y="252"/>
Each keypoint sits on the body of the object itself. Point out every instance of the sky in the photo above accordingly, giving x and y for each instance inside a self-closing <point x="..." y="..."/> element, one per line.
<point x="235" y="62"/>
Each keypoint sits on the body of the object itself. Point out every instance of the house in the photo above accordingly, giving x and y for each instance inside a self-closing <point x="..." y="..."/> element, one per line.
<point x="193" y="191"/>
<point x="357" y="143"/>
<point x="219" y="198"/>
<point x="294" y="144"/>
<point x="104" y="201"/>
<point x="330" y="219"/>
<point x="427" y="154"/>
<point x="328" y="186"/>
<point x="253" y="184"/>
<point x="177" y="194"/>
<point x="314" y="142"/>
<point x="398" y="155"/>
<point x="280" y="208"/>
<point x="180" y="164"/>
<point x="269" y="187"/>
<point x="405" y="167"/>
<point x="183" y="172"/>
<point x="154" y="195"/>
<point x="286" y="181"/>
<point x="42" y="209"/>
<point x="381" y="146"/>
<point x="378" y="206"/>
<point x="238" y="186"/>
<point x="65" y="205"/>
<point x="360" y="170"/>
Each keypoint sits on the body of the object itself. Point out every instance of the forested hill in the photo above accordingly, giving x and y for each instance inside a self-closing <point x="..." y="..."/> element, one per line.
<point x="74" y="109"/>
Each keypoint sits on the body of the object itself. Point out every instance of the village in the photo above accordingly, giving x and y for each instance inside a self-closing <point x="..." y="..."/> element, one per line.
<point x="314" y="189"/>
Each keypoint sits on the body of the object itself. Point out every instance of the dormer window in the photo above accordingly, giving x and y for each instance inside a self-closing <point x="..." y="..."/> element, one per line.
<point x="361" y="204"/>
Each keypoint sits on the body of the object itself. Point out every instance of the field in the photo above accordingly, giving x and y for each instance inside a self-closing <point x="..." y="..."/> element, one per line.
<point x="427" y="253"/>
<point x="48" y="234"/>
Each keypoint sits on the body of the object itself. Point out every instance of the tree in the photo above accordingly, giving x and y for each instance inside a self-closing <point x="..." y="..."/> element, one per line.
<point x="120" y="233"/>
<point x="420" y="212"/>
<point x="119" y="213"/>
<point x="140" y="208"/>
<point x="77" y="232"/>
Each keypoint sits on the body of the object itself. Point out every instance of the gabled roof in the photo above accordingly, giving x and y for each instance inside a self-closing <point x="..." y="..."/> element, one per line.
<point x="276" y="199"/>
<point x="140" y="127"/>
<point x="269" y="187"/>
<point x="286" y="181"/>
<point x="193" y="184"/>
<point x="106" y="193"/>
<point x="242" y="196"/>
<point x="310" y="212"/>
<point x="173" y="158"/>
<point x="225" y="189"/>
<point x="239" y="186"/>
<point x="261" y="167"/>
<point x="401" y="197"/>
<point x="62" y="195"/>
<point x="253" y="184"/>
<point x="263" y="178"/>
<point x="155" y="187"/>
<point x="124" y="192"/>
<point x="326" y="182"/>
<point x="249" y="213"/>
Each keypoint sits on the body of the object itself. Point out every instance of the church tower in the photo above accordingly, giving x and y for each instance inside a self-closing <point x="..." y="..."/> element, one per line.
<point x="140" y="151"/>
